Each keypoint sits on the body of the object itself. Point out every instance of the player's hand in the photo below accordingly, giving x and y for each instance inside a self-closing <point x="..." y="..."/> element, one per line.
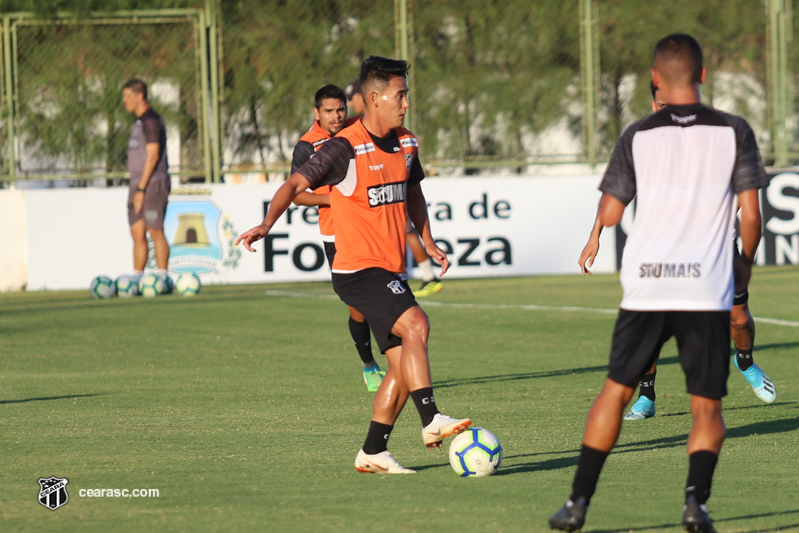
<point x="587" y="257"/>
<point x="138" y="202"/>
<point x="439" y="256"/>
<point x="252" y="235"/>
<point x="742" y="272"/>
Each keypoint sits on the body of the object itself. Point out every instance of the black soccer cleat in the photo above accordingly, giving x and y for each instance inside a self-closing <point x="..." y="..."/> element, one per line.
<point x="695" y="518"/>
<point x="571" y="516"/>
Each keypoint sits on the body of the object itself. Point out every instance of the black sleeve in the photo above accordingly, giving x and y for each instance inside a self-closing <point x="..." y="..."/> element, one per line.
<point x="330" y="164"/>
<point x="151" y="127"/>
<point x="619" y="178"/>
<point x="302" y="153"/>
<point x="417" y="172"/>
<point x="749" y="172"/>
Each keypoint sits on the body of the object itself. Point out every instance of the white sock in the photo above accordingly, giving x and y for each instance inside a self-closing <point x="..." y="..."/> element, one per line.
<point x="426" y="267"/>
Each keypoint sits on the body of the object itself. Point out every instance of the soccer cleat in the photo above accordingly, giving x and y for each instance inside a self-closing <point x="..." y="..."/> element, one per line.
<point x="379" y="463"/>
<point x="570" y="517"/>
<point x="695" y="518"/>
<point x="641" y="409"/>
<point x="762" y="385"/>
<point x="429" y="287"/>
<point x="373" y="379"/>
<point x="442" y="427"/>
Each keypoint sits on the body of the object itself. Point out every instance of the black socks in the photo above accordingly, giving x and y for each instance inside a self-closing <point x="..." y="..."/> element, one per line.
<point x="589" y="467"/>
<point x="377" y="438"/>
<point x="362" y="338"/>
<point x="647" y="386"/>
<point x="425" y="404"/>
<point x="745" y="359"/>
<point x="701" y="466"/>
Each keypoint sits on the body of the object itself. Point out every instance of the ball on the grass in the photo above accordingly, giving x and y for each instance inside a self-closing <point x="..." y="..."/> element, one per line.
<point x="103" y="287"/>
<point x="168" y="283"/>
<point x="188" y="284"/>
<point x="475" y="453"/>
<point x="151" y="285"/>
<point x="127" y="286"/>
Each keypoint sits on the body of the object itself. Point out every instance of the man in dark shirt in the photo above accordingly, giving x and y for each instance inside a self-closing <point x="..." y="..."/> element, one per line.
<point x="149" y="178"/>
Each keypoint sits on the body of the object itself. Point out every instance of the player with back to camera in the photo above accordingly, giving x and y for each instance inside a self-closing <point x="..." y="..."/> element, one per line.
<point x="149" y="178"/>
<point x="375" y="174"/>
<point x="742" y="325"/>
<point x="330" y="112"/>
<point x="685" y="165"/>
<point x="430" y="283"/>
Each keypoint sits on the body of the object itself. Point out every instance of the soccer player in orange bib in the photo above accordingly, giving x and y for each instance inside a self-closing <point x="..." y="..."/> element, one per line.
<point x="375" y="174"/>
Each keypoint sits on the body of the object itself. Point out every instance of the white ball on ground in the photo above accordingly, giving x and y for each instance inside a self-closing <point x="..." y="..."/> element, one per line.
<point x="188" y="284"/>
<point x="103" y="287"/>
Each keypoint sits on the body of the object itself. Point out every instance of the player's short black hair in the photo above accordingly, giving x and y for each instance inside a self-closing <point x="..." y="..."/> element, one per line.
<point x="682" y="50"/>
<point x="652" y="89"/>
<point x="137" y="86"/>
<point x="328" y="91"/>
<point x="382" y="69"/>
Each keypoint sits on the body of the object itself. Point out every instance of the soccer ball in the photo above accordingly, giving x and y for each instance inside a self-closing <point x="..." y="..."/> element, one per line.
<point x="127" y="286"/>
<point x="151" y="285"/>
<point x="103" y="287"/>
<point x="188" y="284"/>
<point x="170" y="285"/>
<point x="475" y="453"/>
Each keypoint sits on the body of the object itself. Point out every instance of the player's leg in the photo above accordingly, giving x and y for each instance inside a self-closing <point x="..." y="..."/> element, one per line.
<point x="154" y="211"/>
<point x="362" y="337"/>
<point x="644" y="406"/>
<point x="703" y="343"/>
<point x="413" y="327"/>
<point x="430" y="284"/>
<point x="742" y="331"/>
<point x="388" y="403"/>
<point x="637" y="339"/>
<point x="139" y="233"/>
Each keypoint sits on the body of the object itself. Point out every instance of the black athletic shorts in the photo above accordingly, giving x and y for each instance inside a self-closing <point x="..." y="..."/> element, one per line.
<point x="703" y="343"/>
<point x="381" y="296"/>
<point x="330" y="252"/>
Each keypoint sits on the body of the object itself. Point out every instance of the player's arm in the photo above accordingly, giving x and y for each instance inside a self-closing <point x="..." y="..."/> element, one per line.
<point x="312" y="199"/>
<point x="417" y="210"/>
<point x="281" y="201"/>
<point x="591" y="248"/>
<point x="750" y="229"/>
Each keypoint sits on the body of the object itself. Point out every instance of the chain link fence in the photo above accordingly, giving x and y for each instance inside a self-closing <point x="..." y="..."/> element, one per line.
<point x="70" y="120"/>
<point x="496" y="86"/>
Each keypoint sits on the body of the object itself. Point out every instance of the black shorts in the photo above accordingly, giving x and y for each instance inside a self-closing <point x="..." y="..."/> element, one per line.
<point x="703" y="343"/>
<point x="330" y="252"/>
<point x="381" y="296"/>
<point x="156" y="196"/>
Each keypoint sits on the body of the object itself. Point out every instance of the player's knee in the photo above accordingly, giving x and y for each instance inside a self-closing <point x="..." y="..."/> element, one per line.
<point x="739" y="321"/>
<point x="415" y="323"/>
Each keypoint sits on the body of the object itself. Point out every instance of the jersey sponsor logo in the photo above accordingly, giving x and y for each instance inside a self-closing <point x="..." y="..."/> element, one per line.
<point x="391" y="193"/>
<point x="683" y="120"/>
<point x="408" y="142"/>
<point x="362" y="149"/>
<point x="396" y="287"/>
<point x="320" y="142"/>
<point x="376" y="167"/>
<point x="409" y="160"/>
<point x="670" y="270"/>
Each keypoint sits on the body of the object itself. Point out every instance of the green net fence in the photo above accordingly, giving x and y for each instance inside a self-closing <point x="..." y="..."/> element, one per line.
<point x="68" y="80"/>
<point x="496" y="86"/>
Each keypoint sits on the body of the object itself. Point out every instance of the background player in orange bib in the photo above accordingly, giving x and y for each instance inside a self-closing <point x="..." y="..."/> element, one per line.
<point x="373" y="169"/>
<point x="330" y="112"/>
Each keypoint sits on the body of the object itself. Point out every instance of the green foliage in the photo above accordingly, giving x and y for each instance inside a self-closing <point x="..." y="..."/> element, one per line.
<point x="246" y="411"/>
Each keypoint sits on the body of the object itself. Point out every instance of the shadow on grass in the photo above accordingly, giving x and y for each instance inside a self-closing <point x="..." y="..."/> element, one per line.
<point x="48" y="398"/>
<point x="758" y="428"/>
<point x="515" y="377"/>
<point x="716" y="521"/>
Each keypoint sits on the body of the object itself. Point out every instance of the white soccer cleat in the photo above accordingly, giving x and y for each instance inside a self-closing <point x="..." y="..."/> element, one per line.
<point x="379" y="463"/>
<point x="442" y="427"/>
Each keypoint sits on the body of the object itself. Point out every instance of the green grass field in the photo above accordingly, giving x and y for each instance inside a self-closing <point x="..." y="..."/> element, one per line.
<point x="244" y="407"/>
